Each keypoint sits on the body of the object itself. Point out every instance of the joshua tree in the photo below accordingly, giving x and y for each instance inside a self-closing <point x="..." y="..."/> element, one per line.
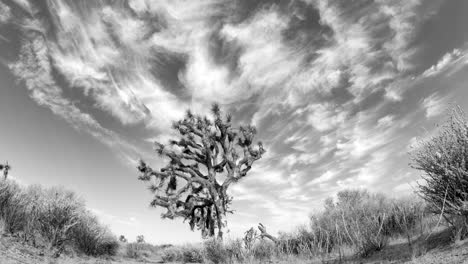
<point x="207" y="158"/>
<point x="123" y="239"/>
<point x="140" y="239"/>
<point x="5" y="168"/>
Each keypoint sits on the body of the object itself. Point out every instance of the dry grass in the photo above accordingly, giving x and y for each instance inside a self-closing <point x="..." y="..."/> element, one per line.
<point x="53" y="218"/>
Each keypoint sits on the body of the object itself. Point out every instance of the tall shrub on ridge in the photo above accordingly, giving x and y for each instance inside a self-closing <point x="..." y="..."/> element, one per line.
<point x="443" y="159"/>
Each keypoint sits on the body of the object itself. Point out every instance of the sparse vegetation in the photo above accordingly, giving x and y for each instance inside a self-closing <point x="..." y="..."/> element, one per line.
<point x="182" y="254"/>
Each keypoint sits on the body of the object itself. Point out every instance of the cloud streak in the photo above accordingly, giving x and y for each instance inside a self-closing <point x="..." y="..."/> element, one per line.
<point x="331" y="85"/>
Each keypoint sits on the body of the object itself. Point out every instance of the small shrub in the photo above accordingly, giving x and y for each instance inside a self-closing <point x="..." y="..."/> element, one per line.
<point x="132" y="251"/>
<point x="140" y="250"/>
<point x="192" y="254"/>
<point x="172" y="254"/>
<point x="263" y="250"/>
<point x="235" y="251"/>
<point x="108" y="245"/>
<point x="215" y="252"/>
<point x="92" y="238"/>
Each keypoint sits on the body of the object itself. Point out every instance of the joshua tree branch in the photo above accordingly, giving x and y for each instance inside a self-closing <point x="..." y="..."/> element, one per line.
<point x="264" y="233"/>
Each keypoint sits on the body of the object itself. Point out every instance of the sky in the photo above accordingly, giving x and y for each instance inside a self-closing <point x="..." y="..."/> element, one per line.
<point x="339" y="92"/>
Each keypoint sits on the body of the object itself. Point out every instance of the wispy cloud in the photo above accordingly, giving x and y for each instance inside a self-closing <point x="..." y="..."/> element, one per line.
<point x="34" y="68"/>
<point x="331" y="85"/>
<point x="443" y="63"/>
<point x="434" y="105"/>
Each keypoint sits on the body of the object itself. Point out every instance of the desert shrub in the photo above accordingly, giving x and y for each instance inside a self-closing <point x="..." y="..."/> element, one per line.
<point x="408" y="217"/>
<point x="60" y="211"/>
<point x="288" y="244"/>
<point x="91" y="238"/>
<point x="361" y="220"/>
<point x="192" y="254"/>
<point x="356" y="219"/>
<point x="235" y="251"/>
<point x="54" y="216"/>
<point x="214" y="251"/>
<point x="12" y="206"/>
<point x="172" y="254"/>
<point x="137" y="250"/>
<point x="304" y="243"/>
<point x="132" y="251"/>
<point x="184" y="254"/>
<point x="264" y="250"/>
<point x="444" y="160"/>
<point x="107" y="246"/>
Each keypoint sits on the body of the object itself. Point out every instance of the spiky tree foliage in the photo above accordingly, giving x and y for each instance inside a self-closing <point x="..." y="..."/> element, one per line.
<point x="5" y="168"/>
<point x="140" y="239"/>
<point x="202" y="163"/>
<point x="123" y="239"/>
<point x="444" y="160"/>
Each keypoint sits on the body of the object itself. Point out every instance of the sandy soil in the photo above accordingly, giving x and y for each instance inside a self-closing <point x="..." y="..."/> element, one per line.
<point x="436" y="250"/>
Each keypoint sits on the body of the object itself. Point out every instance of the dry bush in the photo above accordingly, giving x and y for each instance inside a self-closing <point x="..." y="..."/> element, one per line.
<point x="184" y="254"/>
<point x="214" y="251"/>
<point x="356" y="219"/>
<point x="91" y="238"/>
<point x="53" y="216"/>
<point x="137" y="250"/>
<point x="59" y="213"/>
<point x="235" y="251"/>
<point x="444" y="160"/>
<point x="12" y="206"/>
<point x="171" y="254"/>
<point x="360" y="220"/>
<point x="192" y="254"/>
<point x="264" y="250"/>
<point x="132" y="250"/>
<point x="409" y="217"/>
